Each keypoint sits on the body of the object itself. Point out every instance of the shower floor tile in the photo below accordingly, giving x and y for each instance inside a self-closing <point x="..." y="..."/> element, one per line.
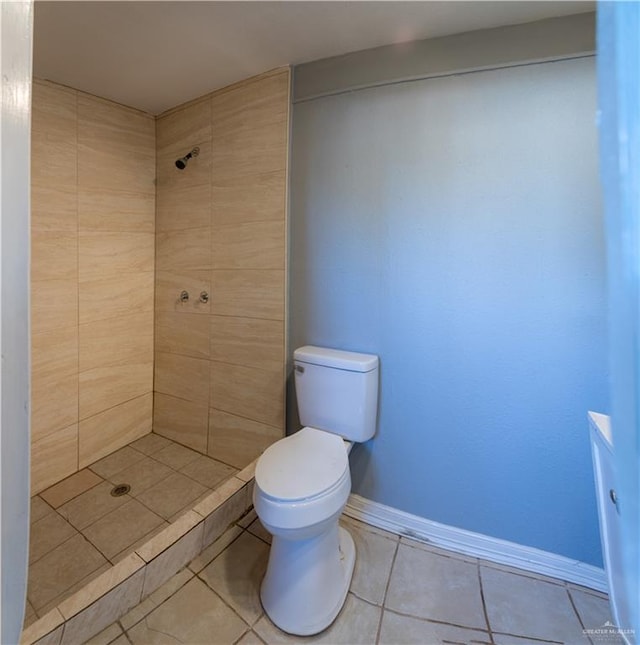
<point x="78" y="528"/>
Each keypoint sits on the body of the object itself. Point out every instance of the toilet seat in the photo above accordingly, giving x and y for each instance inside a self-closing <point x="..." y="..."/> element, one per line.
<point x="305" y="465"/>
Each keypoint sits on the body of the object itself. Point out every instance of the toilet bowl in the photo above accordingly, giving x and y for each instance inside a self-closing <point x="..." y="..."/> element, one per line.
<point x="302" y="484"/>
<point x="299" y="502"/>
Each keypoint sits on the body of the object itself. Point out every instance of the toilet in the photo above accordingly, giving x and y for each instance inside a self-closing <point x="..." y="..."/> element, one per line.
<point x="302" y="484"/>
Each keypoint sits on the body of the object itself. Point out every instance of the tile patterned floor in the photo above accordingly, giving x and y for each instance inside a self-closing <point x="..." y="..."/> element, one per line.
<point x="403" y="592"/>
<point x="78" y="529"/>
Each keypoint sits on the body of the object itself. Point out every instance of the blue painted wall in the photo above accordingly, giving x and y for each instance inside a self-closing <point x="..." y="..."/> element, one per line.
<point x="453" y="226"/>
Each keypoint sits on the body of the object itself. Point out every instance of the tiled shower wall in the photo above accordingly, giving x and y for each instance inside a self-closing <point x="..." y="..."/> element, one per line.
<point x="221" y="229"/>
<point x="92" y="210"/>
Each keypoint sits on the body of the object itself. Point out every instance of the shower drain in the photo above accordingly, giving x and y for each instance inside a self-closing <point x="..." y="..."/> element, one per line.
<point x="120" y="489"/>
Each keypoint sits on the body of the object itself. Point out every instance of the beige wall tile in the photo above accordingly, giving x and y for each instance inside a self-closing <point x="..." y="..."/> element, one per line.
<point x="114" y="210"/>
<point x="53" y="160"/>
<point x="116" y="147"/>
<point x="54" y="138"/>
<point x="251" y="342"/>
<point x="115" y="127"/>
<point x="169" y="285"/>
<point x="184" y="250"/>
<point x="180" y="208"/>
<point x="260" y="197"/>
<point x="249" y="152"/>
<point x="54" y="304"/>
<point x="259" y="103"/>
<point x="252" y="245"/>
<point x="54" y="109"/>
<point x="53" y="208"/>
<point x="177" y="131"/>
<point x="108" y="254"/>
<point x="116" y="341"/>
<point x="237" y="440"/>
<point x="182" y="333"/>
<point x="103" y="433"/>
<point x="116" y="296"/>
<point x="248" y="392"/>
<point x="102" y="388"/>
<point x="54" y="457"/>
<point x="182" y="376"/>
<point x="54" y="255"/>
<point x="248" y="293"/>
<point x="54" y="380"/>
<point x="180" y="420"/>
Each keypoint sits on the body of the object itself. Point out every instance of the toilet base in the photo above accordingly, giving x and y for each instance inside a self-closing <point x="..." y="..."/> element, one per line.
<point x="307" y="581"/>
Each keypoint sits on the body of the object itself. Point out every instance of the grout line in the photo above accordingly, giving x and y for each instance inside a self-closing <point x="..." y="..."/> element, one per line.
<point x="484" y="604"/>
<point x="435" y="621"/>
<point x="77" y="285"/>
<point x="575" y="609"/>
<point x="386" y="591"/>
<point x="55" y="510"/>
<point x="530" y="638"/>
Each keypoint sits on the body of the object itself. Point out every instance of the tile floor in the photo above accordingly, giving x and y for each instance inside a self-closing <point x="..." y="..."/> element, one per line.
<point x="78" y="529"/>
<point x="402" y="591"/>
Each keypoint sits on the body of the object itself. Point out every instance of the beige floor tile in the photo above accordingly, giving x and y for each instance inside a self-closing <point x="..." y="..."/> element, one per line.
<point x="48" y="533"/>
<point x="138" y="543"/>
<point x="142" y="475"/>
<point x="507" y="639"/>
<point x="150" y="443"/>
<point x="121" y="640"/>
<point x="172" y="494"/>
<point x="106" y="636"/>
<point x="528" y="607"/>
<point x="70" y="487"/>
<point x="405" y="630"/>
<point x="593" y="610"/>
<point x="374" y="557"/>
<point x="427" y="585"/>
<point x="116" y="461"/>
<point x="60" y="569"/>
<point x="207" y="471"/>
<point x="236" y="575"/>
<point x="256" y="528"/>
<point x="176" y="456"/>
<point x="193" y="615"/>
<point x="91" y="506"/>
<point x="345" y="519"/>
<point x="29" y="614"/>
<point x="250" y="638"/>
<point x="39" y="508"/>
<point x="122" y="528"/>
<point x="356" y="624"/>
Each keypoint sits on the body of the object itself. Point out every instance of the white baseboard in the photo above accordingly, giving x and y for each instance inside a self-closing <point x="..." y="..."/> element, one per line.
<point x="476" y="544"/>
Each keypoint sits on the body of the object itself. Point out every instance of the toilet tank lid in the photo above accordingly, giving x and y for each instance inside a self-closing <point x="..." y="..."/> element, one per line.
<point x="336" y="358"/>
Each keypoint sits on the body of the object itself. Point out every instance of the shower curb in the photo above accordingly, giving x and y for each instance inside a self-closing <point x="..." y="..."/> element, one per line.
<point x="116" y="591"/>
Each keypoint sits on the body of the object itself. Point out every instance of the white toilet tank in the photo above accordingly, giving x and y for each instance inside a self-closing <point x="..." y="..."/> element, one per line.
<point x="337" y="391"/>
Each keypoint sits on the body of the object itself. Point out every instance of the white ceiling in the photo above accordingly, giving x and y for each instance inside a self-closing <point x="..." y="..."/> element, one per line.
<point x="156" y="55"/>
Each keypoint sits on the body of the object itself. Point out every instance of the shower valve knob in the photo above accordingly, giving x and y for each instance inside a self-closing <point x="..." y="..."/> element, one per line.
<point x="204" y="297"/>
<point x="184" y="296"/>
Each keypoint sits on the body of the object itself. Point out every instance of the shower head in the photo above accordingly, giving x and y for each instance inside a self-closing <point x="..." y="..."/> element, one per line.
<point x="181" y="163"/>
